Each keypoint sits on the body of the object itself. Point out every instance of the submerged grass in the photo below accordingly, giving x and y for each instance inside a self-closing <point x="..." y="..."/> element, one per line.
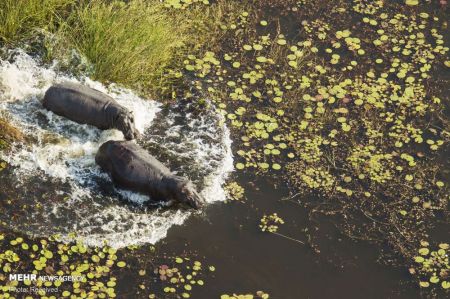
<point x="8" y="134"/>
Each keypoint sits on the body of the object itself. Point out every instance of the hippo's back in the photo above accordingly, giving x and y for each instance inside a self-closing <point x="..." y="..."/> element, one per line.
<point x="132" y="167"/>
<point x="78" y="103"/>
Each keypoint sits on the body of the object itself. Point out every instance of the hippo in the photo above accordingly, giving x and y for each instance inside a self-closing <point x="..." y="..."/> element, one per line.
<point x="85" y="105"/>
<point x="133" y="168"/>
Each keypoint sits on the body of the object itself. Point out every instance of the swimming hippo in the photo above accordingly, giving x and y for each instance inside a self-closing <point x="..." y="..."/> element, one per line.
<point x="133" y="168"/>
<point x="85" y="105"/>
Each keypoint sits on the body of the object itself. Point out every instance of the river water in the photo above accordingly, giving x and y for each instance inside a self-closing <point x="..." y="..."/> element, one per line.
<point x="58" y="189"/>
<point x="60" y="156"/>
<point x="248" y="260"/>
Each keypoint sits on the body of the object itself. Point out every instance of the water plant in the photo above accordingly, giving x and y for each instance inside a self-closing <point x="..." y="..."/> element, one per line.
<point x="259" y="294"/>
<point x="348" y="107"/>
<point x="340" y="113"/>
<point x="182" y="4"/>
<point x="271" y="223"/>
<point x="182" y="277"/>
<point x="97" y="270"/>
<point x="432" y="265"/>
<point x="235" y="191"/>
<point x="8" y="134"/>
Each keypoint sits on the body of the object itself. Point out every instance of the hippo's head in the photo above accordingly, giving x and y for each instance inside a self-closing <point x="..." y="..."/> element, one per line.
<point x="187" y="194"/>
<point x="125" y="123"/>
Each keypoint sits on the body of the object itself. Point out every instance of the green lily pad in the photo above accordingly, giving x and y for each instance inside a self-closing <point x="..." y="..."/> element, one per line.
<point x="424" y="251"/>
<point x="276" y="166"/>
<point x="419" y="259"/>
<point x="434" y="279"/>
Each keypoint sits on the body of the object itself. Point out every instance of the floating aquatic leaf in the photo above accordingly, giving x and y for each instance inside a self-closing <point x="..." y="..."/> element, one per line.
<point x="434" y="279"/>
<point x="424" y="251"/>
<point x="412" y="2"/>
<point x="444" y="246"/>
<point x="257" y="47"/>
<point x="424" y="284"/>
<point x="419" y="259"/>
<point x="261" y="59"/>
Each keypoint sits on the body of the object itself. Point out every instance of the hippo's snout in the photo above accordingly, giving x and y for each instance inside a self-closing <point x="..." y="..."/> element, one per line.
<point x="131" y="134"/>
<point x="192" y="197"/>
<point x="127" y="125"/>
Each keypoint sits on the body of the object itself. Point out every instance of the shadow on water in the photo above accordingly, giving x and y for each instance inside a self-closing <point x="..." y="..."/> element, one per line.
<point x="248" y="260"/>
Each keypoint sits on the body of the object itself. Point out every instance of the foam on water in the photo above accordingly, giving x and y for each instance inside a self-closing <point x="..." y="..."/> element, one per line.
<point x="62" y="153"/>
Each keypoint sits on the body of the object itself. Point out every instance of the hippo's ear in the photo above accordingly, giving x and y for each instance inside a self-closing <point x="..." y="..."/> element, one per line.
<point x="131" y="117"/>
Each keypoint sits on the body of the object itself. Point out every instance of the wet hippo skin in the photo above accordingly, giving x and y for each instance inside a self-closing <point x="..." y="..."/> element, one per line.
<point x="132" y="167"/>
<point x="85" y="105"/>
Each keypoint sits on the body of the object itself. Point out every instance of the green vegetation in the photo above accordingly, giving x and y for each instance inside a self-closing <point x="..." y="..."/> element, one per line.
<point x="130" y="44"/>
<point x="348" y="105"/>
<point x="432" y="266"/>
<point x="259" y="294"/>
<point x="98" y="270"/>
<point x="182" y="4"/>
<point x="235" y="191"/>
<point x="20" y="19"/>
<point x="8" y="134"/>
<point x="348" y="108"/>
<point x="270" y="223"/>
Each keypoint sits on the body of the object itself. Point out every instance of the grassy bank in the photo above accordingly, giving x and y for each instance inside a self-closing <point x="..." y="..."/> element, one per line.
<point x="20" y="19"/>
<point x="131" y="43"/>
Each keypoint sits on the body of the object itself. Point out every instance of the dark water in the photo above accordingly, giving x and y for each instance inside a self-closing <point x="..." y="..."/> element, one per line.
<point x="227" y="236"/>
<point x="248" y="260"/>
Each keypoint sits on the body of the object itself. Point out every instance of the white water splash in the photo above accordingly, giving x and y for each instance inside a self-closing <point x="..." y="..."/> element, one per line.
<point x="65" y="151"/>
